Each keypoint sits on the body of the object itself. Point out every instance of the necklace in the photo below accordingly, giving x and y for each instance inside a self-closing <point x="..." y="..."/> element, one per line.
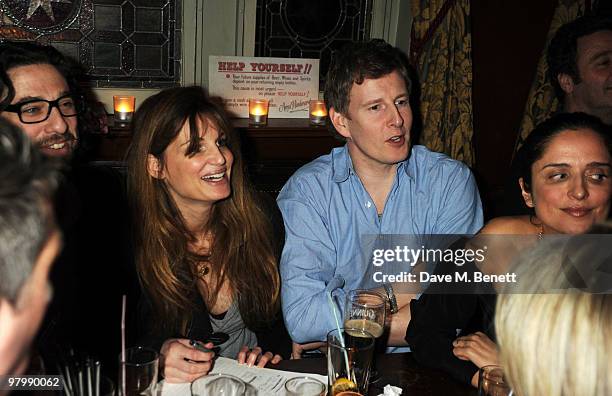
<point x="203" y="268"/>
<point x="541" y="232"/>
<point x="203" y="263"/>
<point x="539" y="224"/>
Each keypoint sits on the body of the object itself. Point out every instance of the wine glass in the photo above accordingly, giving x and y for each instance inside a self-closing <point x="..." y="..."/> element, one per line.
<point x="366" y="310"/>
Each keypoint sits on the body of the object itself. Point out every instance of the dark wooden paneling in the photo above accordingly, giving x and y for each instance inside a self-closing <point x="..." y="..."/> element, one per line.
<point x="273" y="153"/>
<point x="508" y="37"/>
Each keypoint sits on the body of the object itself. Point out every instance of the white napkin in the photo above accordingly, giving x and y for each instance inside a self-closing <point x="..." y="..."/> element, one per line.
<point x="390" y="390"/>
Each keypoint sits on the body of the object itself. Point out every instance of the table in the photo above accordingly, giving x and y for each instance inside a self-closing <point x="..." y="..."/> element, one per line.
<point x="398" y="369"/>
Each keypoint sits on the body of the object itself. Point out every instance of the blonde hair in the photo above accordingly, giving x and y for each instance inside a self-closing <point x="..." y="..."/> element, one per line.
<point x="556" y="340"/>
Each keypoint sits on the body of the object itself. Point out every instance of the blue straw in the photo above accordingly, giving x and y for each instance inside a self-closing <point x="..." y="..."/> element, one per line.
<point x="333" y="309"/>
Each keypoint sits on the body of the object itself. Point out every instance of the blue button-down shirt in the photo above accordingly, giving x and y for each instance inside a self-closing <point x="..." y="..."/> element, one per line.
<point x="327" y="211"/>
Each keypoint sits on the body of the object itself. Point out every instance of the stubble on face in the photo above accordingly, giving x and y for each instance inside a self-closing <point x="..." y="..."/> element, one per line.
<point x="56" y="136"/>
<point x="592" y="94"/>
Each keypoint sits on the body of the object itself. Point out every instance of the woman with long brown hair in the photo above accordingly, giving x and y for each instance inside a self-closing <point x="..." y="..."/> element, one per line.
<point x="205" y="249"/>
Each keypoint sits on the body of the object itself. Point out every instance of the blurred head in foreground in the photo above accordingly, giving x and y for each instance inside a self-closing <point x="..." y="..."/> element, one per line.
<point x="29" y="243"/>
<point x="555" y="336"/>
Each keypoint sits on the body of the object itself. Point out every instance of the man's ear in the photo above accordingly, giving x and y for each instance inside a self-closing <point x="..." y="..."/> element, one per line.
<point x="527" y="196"/>
<point x="566" y="82"/>
<point x="340" y="123"/>
<point x="154" y="167"/>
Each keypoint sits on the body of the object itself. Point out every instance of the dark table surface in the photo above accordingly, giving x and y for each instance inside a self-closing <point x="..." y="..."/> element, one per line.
<point x="398" y="369"/>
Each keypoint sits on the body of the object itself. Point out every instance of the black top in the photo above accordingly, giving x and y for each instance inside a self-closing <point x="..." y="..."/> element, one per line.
<point x="94" y="269"/>
<point x="437" y="316"/>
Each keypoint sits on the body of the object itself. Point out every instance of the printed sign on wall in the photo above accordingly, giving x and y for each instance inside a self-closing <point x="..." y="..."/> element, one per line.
<point x="289" y="83"/>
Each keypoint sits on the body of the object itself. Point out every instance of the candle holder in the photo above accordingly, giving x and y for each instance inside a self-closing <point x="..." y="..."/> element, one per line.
<point x="258" y="112"/>
<point x="317" y="112"/>
<point x="124" y="108"/>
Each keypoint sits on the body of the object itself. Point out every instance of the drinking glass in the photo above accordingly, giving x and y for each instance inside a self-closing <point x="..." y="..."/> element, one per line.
<point x="304" y="386"/>
<point x="366" y="310"/>
<point x="349" y="357"/>
<point x="218" y="384"/>
<point x="107" y="388"/>
<point x="491" y="382"/>
<point x="138" y="372"/>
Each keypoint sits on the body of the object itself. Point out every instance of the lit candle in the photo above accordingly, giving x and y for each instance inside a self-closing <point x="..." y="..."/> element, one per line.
<point x="258" y="111"/>
<point x="318" y="112"/>
<point x="124" y="108"/>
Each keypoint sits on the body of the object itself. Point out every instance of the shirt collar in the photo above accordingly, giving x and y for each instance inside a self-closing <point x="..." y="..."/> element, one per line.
<point x="408" y="165"/>
<point x="342" y="165"/>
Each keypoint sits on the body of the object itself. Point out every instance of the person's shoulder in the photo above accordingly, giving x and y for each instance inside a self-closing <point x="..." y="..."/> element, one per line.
<point x="437" y="170"/>
<point x="508" y="225"/>
<point x="428" y="160"/>
<point x="318" y="167"/>
<point x="313" y="175"/>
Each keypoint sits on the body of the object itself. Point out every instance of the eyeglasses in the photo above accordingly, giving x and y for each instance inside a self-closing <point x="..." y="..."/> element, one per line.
<point x="38" y="110"/>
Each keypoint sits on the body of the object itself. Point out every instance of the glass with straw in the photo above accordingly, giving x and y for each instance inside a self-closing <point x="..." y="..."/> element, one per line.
<point x="349" y="357"/>
<point x="138" y="372"/>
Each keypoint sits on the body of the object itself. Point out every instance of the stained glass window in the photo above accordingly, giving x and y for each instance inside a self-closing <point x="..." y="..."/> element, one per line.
<point x="121" y="43"/>
<point x="310" y="29"/>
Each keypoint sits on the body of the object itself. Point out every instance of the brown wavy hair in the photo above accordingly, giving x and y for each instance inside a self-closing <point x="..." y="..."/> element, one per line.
<point x="242" y="248"/>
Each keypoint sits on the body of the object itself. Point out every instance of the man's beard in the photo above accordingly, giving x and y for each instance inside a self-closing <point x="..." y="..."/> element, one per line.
<point x="58" y="145"/>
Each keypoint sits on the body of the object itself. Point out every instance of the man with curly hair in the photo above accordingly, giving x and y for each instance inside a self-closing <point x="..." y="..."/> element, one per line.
<point x="41" y="92"/>
<point x="40" y="95"/>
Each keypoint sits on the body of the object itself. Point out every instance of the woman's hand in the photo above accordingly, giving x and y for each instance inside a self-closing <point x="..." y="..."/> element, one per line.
<point x="477" y="348"/>
<point x="256" y="356"/>
<point x="180" y="362"/>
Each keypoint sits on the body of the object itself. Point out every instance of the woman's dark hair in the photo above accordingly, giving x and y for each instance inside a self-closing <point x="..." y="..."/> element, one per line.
<point x="536" y="143"/>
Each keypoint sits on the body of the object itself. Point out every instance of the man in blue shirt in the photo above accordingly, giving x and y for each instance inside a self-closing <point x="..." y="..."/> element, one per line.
<point x="375" y="184"/>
